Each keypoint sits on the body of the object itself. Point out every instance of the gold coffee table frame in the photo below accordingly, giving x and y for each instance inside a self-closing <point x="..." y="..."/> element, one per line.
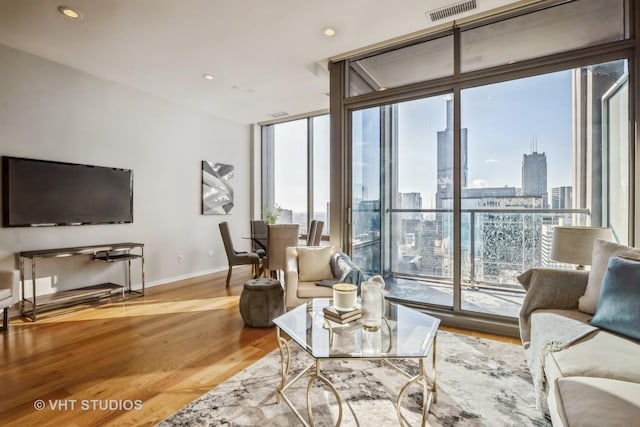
<point x="313" y="371"/>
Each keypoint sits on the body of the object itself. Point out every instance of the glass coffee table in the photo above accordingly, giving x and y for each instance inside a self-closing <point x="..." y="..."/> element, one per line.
<point x="405" y="333"/>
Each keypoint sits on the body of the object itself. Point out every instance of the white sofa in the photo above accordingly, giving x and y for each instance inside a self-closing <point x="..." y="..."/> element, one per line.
<point x="588" y="377"/>
<point x="8" y="294"/>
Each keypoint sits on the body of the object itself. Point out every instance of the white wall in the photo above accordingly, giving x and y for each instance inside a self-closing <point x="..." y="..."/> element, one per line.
<point x="49" y="111"/>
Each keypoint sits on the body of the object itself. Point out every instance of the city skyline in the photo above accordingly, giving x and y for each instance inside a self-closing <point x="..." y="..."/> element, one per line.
<point x="502" y="121"/>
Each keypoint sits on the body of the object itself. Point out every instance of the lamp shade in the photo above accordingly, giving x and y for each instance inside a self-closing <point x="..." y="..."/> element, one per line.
<point x="574" y="245"/>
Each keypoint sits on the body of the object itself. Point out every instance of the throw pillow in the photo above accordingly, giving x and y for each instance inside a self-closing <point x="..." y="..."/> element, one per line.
<point x="340" y="265"/>
<point x="602" y="251"/>
<point x="314" y="263"/>
<point x="345" y="271"/>
<point x="619" y="302"/>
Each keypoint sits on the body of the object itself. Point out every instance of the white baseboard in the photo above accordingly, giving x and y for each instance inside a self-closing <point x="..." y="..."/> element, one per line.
<point x="167" y="280"/>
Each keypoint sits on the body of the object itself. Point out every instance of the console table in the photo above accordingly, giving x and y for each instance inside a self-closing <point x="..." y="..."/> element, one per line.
<point x="113" y="252"/>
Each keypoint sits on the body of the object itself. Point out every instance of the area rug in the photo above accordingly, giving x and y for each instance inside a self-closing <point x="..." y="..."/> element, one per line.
<point x="480" y="383"/>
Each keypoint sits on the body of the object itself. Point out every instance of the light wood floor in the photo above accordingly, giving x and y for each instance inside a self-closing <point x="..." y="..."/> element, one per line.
<point x="164" y="349"/>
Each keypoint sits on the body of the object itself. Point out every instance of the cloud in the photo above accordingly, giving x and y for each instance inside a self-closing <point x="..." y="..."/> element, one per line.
<point x="479" y="183"/>
<point x="492" y="161"/>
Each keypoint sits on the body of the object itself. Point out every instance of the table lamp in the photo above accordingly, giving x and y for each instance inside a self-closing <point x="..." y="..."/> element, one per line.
<point x="574" y="245"/>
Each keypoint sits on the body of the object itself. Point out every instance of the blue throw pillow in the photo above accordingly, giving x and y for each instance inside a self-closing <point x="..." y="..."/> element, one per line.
<point x="619" y="302"/>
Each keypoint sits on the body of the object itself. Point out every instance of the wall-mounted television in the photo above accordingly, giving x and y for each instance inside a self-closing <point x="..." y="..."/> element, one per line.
<point x="43" y="193"/>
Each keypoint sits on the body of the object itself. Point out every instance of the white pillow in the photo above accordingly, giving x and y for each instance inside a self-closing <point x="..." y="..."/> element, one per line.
<point x="314" y="263"/>
<point x="602" y="251"/>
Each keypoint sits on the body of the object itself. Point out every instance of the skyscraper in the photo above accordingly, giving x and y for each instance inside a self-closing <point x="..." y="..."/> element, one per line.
<point x="534" y="176"/>
<point x="445" y="158"/>
<point x="409" y="201"/>
<point x="562" y="197"/>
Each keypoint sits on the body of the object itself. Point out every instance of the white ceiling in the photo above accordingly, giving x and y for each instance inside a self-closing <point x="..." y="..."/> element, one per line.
<point x="260" y="51"/>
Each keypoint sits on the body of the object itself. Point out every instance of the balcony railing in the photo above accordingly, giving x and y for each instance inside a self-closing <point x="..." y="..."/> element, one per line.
<point x="497" y="244"/>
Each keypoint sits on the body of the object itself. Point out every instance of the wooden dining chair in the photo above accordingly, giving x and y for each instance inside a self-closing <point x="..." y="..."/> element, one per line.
<point x="237" y="257"/>
<point x="311" y="232"/>
<point x="279" y="237"/>
<point x="317" y="235"/>
<point x="259" y="239"/>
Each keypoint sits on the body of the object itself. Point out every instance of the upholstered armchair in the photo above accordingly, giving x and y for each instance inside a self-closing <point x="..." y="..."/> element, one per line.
<point x="311" y="271"/>
<point x="8" y="294"/>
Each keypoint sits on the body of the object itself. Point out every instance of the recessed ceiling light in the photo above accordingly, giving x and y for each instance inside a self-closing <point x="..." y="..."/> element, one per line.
<point x="207" y="76"/>
<point x="329" y="32"/>
<point x="69" y="13"/>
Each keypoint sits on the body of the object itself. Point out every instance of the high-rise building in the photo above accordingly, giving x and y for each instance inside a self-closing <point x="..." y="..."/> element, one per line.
<point x="445" y="158"/>
<point x="534" y="176"/>
<point x="409" y="201"/>
<point x="562" y="197"/>
<point x="408" y="221"/>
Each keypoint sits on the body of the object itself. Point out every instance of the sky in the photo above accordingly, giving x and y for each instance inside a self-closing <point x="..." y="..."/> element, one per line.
<point x="291" y="164"/>
<point x="501" y="119"/>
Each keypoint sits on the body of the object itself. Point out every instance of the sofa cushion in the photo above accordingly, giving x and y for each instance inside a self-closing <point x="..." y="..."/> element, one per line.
<point x="619" y="301"/>
<point x="541" y="319"/>
<point x="601" y="354"/>
<point x="310" y="290"/>
<point x="314" y="263"/>
<point x="585" y="401"/>
<point x="602" y="252"/>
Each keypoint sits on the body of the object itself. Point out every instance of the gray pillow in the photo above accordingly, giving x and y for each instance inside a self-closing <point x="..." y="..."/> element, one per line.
<point x="345" y="271"/>
<point x="602" y="251"/>
<point x="619" y="301"/>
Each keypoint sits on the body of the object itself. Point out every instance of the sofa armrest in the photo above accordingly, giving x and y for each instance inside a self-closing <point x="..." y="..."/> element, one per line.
<point x="291" y="277"/>
<point x="549" y="289"/>
<point x="10" y="279"/>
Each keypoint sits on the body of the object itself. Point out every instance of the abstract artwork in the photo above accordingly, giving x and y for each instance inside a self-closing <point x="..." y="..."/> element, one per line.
<point x="217" y="189"/>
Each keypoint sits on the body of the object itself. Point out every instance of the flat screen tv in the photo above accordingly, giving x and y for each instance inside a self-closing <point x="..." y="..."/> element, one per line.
<point x="42" y="193"/>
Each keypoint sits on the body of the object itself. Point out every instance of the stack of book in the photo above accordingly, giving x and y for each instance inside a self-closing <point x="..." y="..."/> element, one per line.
<point x="340" y="316"/>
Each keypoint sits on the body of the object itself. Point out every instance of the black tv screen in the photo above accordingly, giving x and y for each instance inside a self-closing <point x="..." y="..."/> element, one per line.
<point x="41" y="193"/>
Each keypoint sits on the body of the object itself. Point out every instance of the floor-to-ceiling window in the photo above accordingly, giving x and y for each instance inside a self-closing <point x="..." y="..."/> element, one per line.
<point x="421" y="183"/>
<point x="366" y="173"/>
<point x="615" y="122"/>
<point x="290" y="172"/>
<point x="296" y="171"/>
<point x="519" y="147"/>
<point x="456" y="184"/>
<point x="320" y="170"/>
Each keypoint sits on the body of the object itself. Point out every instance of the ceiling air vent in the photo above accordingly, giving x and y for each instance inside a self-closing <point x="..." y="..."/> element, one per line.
<point x="279" y="114"/>
<point x="454" y="9"/>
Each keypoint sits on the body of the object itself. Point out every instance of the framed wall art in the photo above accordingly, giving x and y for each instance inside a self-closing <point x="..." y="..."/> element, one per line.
<point x="217" y="188"/>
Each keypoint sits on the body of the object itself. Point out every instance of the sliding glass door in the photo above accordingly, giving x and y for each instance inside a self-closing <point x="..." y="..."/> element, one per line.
<point x="420" y="242"/>
<point x="465" y="148"/>
<point x="367" y="189"/>
<point x="402" y="191"/>
<point x="527" y="155"/>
